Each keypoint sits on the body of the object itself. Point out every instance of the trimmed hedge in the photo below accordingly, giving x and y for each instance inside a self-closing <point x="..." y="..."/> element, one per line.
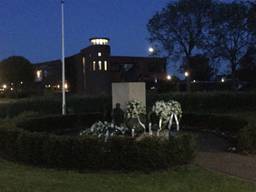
<point x="247" y="138"/>
<point x="203" y="102"/>
<point x="209" y="101"/>
<point x="56" y="124"/>
<point x="216" y="123"/>
<point x="90" y="153"/>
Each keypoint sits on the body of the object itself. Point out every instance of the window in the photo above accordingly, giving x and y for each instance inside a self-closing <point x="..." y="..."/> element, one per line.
<point x="39" y="75"/>
<point x="100" y="65"/>
<point x="83" y="60"/>
<point x="105" y="65"/>
<point x="99" y="54"/>
<point x="94" y="66"/>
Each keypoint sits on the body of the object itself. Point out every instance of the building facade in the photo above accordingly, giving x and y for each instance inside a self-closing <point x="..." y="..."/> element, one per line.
<point x="93" y="70"/>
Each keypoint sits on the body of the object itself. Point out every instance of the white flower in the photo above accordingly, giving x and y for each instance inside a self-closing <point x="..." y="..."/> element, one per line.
<point x="135" y="109"/>
<point x="165" y="109"/>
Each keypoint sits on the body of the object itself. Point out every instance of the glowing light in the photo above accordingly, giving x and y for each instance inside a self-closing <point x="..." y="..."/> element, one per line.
<point x="194" y="81"/>
<point x="39" y="75"/>
<point x="186" y="74"/>
<point x="105" y="65"/>
<point x="151" y="50"/>
<point x="58" y="86"/>
<point x="100" y="65"/>
<point x="169" y="77"/>
<point x="4" y="86"/>
<point x="223" y="80"/>
<point x="94" y="66"/>
<point x="99" y="41"/>
<point x="12" y="89"/>
<point x="21" y="82"/>
<point x="66" y="86"/>
<point x="99" y="54"/>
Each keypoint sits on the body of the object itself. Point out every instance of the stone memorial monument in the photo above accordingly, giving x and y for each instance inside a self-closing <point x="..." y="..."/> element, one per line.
<point x="122" y="93"/>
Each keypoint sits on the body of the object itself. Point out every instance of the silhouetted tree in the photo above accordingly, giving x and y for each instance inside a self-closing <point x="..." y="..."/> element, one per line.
<point x="200" y="68"/>
<point x="179" y="29"/>
<point x="247" y="67"/>
<point x="16" y="69"/>
<point x="230" y="34"/>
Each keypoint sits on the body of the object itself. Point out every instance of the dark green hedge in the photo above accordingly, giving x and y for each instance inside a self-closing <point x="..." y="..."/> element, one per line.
<point x="219" y="102"/>
<point x="204" y="102"/>
<point x="52" y="105"/>
<point x="247" y="138"/>
<point x="89" y="153"/>
<point x="216" y="123"/>
<point x="57" y="124"/>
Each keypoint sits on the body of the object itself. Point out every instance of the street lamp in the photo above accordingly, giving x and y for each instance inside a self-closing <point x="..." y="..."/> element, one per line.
<point x="151" y="50"/>
<point x="187" y="75"/>
<point x="169" y="77"/>
<point x="222" y="80"/>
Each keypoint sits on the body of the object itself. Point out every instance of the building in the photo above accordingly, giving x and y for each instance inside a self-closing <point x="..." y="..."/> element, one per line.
<point x="92" y="71"/>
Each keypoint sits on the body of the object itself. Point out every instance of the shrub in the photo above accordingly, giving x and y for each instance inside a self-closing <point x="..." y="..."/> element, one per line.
<point x="216" y="123"/>
<point x="58" y="124"/>
<point x="91" y="153"/>
<point x="209" y="101"/>
<point x="247" y="138"/>
<point x="204" y="102"/>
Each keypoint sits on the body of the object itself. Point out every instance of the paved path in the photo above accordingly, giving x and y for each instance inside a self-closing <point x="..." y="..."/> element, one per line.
<point x="212" y="155"/>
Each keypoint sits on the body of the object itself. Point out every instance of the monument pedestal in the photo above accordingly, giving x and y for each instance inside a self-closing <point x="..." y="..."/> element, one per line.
<point x="124" y="92"/>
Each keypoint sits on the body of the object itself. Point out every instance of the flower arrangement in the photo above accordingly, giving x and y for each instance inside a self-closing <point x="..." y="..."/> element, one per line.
<point x="104" y="129"/>
<point x="165" y="109"/>
<point x="134" y="109"/>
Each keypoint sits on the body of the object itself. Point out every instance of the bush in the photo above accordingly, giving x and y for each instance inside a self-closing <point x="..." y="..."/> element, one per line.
<point x="247" y="138"/>
<point x="58" y="124"/>
<point x="203" y="102"/>
<point x="216" y="123"/>
<point x="209" y="102"/>
<point x="91" y="153"/>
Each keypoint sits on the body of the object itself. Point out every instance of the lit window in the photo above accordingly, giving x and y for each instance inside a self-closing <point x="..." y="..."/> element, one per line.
<point x="100" y="41"/>
<point x="39" y="75"/>
<point x="105" y="65"/>
<point x="94" y="66"/>
<point x="100" y="65"/>
<point x="99" y="54"/>
<point x="83" y="60"/>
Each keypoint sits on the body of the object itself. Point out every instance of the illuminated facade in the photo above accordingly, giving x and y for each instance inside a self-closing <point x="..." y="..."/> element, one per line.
<point x="93" y="70"/>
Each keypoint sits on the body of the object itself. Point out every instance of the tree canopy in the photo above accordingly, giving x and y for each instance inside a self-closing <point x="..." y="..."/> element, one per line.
<point x="16" y="69"/>
<point x="216" y="29"/>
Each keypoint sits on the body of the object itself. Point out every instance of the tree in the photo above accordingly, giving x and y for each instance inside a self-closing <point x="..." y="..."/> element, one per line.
<point x="230" y="34"/>
<point x="200" y="68"/>
<point x="16" y="69"/>
<point x="247" y="67"/>
<point x="179" y="29"/>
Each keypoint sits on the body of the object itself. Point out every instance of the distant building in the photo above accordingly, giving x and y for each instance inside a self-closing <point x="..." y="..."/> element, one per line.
<point x="92" y="71"/>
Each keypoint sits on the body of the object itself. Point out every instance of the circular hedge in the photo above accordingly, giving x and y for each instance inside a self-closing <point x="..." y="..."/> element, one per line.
<point x="40" y="141"/>
<point x="36" y="141"/>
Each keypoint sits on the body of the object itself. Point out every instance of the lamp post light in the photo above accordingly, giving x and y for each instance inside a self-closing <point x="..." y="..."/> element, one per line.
<point x="151" y="50"/>
<point x="169" y="77"/>
<point x="187" y="77"/>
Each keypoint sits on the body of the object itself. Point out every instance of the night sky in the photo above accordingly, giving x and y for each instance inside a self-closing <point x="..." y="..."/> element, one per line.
<point x="31" y="28"/>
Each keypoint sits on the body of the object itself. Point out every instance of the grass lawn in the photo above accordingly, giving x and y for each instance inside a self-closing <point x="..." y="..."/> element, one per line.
<point x="21" y="178"/>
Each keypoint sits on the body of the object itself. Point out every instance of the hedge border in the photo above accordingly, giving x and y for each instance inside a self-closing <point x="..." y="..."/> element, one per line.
<point x="90" y="153"/>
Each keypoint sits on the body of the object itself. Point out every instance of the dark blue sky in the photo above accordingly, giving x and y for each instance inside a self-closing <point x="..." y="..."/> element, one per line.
<point x="31" y="28"/>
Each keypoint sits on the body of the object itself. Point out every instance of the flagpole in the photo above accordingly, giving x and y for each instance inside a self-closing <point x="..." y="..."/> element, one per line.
<point x="63" y="58"/>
